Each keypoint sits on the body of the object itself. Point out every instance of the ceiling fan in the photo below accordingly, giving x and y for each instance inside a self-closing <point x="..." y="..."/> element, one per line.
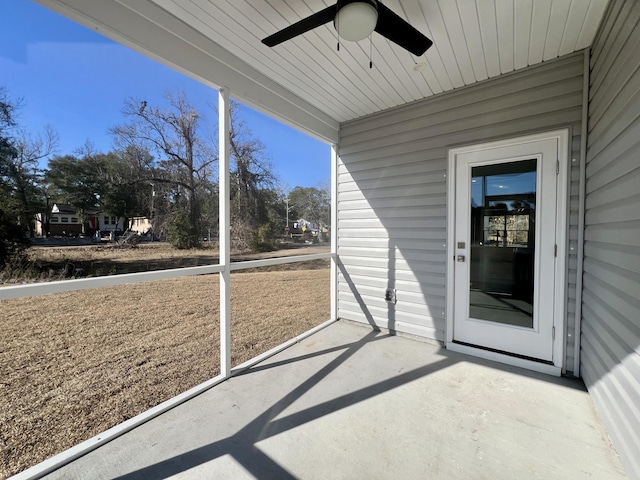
<point x="355" y="20"/>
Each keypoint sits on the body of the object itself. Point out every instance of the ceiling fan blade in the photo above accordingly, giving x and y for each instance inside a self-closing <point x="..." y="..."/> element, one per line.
<point x="400" y="32"/>
<point x="303" y="26"/>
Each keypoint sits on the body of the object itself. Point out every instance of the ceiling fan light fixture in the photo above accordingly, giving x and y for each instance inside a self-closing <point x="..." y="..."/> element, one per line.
<point x="355" y="21"/>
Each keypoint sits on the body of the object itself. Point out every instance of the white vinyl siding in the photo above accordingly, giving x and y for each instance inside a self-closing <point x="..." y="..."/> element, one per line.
<point x="610" y="358"/>
<point x="392" y="190"/>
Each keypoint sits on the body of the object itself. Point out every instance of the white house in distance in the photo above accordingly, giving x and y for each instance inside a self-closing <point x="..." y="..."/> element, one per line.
<point x="105" y="222"/>
<point x="491" y="183"/>
<point x="140" y="225"/>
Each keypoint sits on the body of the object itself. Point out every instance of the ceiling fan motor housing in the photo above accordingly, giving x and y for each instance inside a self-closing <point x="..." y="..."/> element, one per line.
<point x="355" y="20"/>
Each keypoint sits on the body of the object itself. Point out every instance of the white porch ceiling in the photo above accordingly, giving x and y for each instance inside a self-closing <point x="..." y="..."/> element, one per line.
<point x="473" y="40"/>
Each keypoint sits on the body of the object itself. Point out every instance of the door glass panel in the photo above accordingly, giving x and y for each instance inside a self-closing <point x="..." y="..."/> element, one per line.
<point x="503" y="217"/>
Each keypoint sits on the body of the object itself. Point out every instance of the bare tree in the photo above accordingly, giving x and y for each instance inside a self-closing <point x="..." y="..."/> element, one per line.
<point x="174" y="134"/>
<point x="21" y="186"/>
<point x="27" y="176"/>
<point x="251" y="178"/>
<point x="12" y="234"/>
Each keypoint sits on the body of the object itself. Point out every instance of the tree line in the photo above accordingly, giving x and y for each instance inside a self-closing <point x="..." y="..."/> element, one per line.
<point x="163" y="166"/>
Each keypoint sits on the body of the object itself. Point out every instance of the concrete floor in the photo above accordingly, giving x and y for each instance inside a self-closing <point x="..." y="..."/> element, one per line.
<point x="351" y="403"/>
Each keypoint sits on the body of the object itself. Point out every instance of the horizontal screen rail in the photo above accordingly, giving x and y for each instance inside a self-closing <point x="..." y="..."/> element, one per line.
<point x="45" y="288"/>
<point x="267" y="262"/>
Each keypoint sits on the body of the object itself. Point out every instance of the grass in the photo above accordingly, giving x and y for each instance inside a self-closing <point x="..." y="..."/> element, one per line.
<point x="58" y="263"/>
<point x="78" y="363"/>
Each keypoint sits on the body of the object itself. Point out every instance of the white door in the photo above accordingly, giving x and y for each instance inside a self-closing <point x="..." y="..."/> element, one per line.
<point x="508" y="199"/>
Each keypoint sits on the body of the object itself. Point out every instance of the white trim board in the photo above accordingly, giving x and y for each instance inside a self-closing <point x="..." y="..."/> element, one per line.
<point x="506" y="359"/>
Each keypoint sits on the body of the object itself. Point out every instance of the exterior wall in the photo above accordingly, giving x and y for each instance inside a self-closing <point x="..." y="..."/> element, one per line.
<point x="140" y="225"/>
<point x="610" y="359"/>
<point x="392" y="190"/>
<point x="72" y="226"/>
<point x="39" y="223"/>
<point x="106" y="222"/>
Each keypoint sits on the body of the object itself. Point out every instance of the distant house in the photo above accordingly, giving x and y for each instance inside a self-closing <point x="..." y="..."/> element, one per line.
<point x="105" y="222"/>
<point x="140" y="225"/>
<point x="305" y="230"/>
<point x="65" y="221"/>
<point x="305" y="226"/>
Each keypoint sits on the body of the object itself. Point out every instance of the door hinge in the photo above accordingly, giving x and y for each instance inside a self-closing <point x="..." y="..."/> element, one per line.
<point x="557" y="167"/>
<point x="555" y="250"/>
<point x="553" y="333"/>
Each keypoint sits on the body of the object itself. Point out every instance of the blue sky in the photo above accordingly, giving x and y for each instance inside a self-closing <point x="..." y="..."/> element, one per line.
<point x="76" y="80"/>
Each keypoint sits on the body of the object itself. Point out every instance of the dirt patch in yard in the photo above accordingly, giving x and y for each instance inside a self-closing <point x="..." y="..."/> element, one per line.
<point x="76" y="364"/>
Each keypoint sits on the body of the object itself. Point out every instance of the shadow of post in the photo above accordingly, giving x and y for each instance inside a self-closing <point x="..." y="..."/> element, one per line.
<point x="356" y="294"/>
<point x="242" y="445"/>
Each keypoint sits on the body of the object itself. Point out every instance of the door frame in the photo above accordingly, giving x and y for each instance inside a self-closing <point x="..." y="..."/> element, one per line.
<point x="555" y="368"/>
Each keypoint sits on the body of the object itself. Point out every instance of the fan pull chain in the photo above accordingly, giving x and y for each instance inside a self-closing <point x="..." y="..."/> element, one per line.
<point x="338" y="32"/>
<point x="371" y="51"/>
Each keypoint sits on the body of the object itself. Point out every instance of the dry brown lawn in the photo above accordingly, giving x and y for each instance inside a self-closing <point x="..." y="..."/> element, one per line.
<point x="52" y="263"/>
<point x="76" y="364"/>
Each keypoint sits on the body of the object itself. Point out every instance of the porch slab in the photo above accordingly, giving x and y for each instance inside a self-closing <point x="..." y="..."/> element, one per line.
<point x="349" y="402"/>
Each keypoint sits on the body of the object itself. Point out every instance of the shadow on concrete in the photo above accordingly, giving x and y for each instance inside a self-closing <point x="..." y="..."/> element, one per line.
<point x="242" y="445"/>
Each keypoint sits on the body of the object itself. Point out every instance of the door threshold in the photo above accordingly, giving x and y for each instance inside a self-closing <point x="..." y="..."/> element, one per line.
<point x="536" y="366"/>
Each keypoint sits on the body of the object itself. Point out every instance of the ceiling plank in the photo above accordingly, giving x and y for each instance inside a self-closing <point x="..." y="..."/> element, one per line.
<point x="386" y="54"/>
<point x="575" y="21"/>
<point x="489" y="30"/>
<point x="539" y="25"/>
<point x="522" y="32"/>
<point x="455" y="32"/>
<point x="435" y="22"/>
<point x="473" y="37"/>
<point x="591" y="23"/>
<point x="557" y="24"/>
<point x="435" y="72"/>
<point x="504" y="19"/>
